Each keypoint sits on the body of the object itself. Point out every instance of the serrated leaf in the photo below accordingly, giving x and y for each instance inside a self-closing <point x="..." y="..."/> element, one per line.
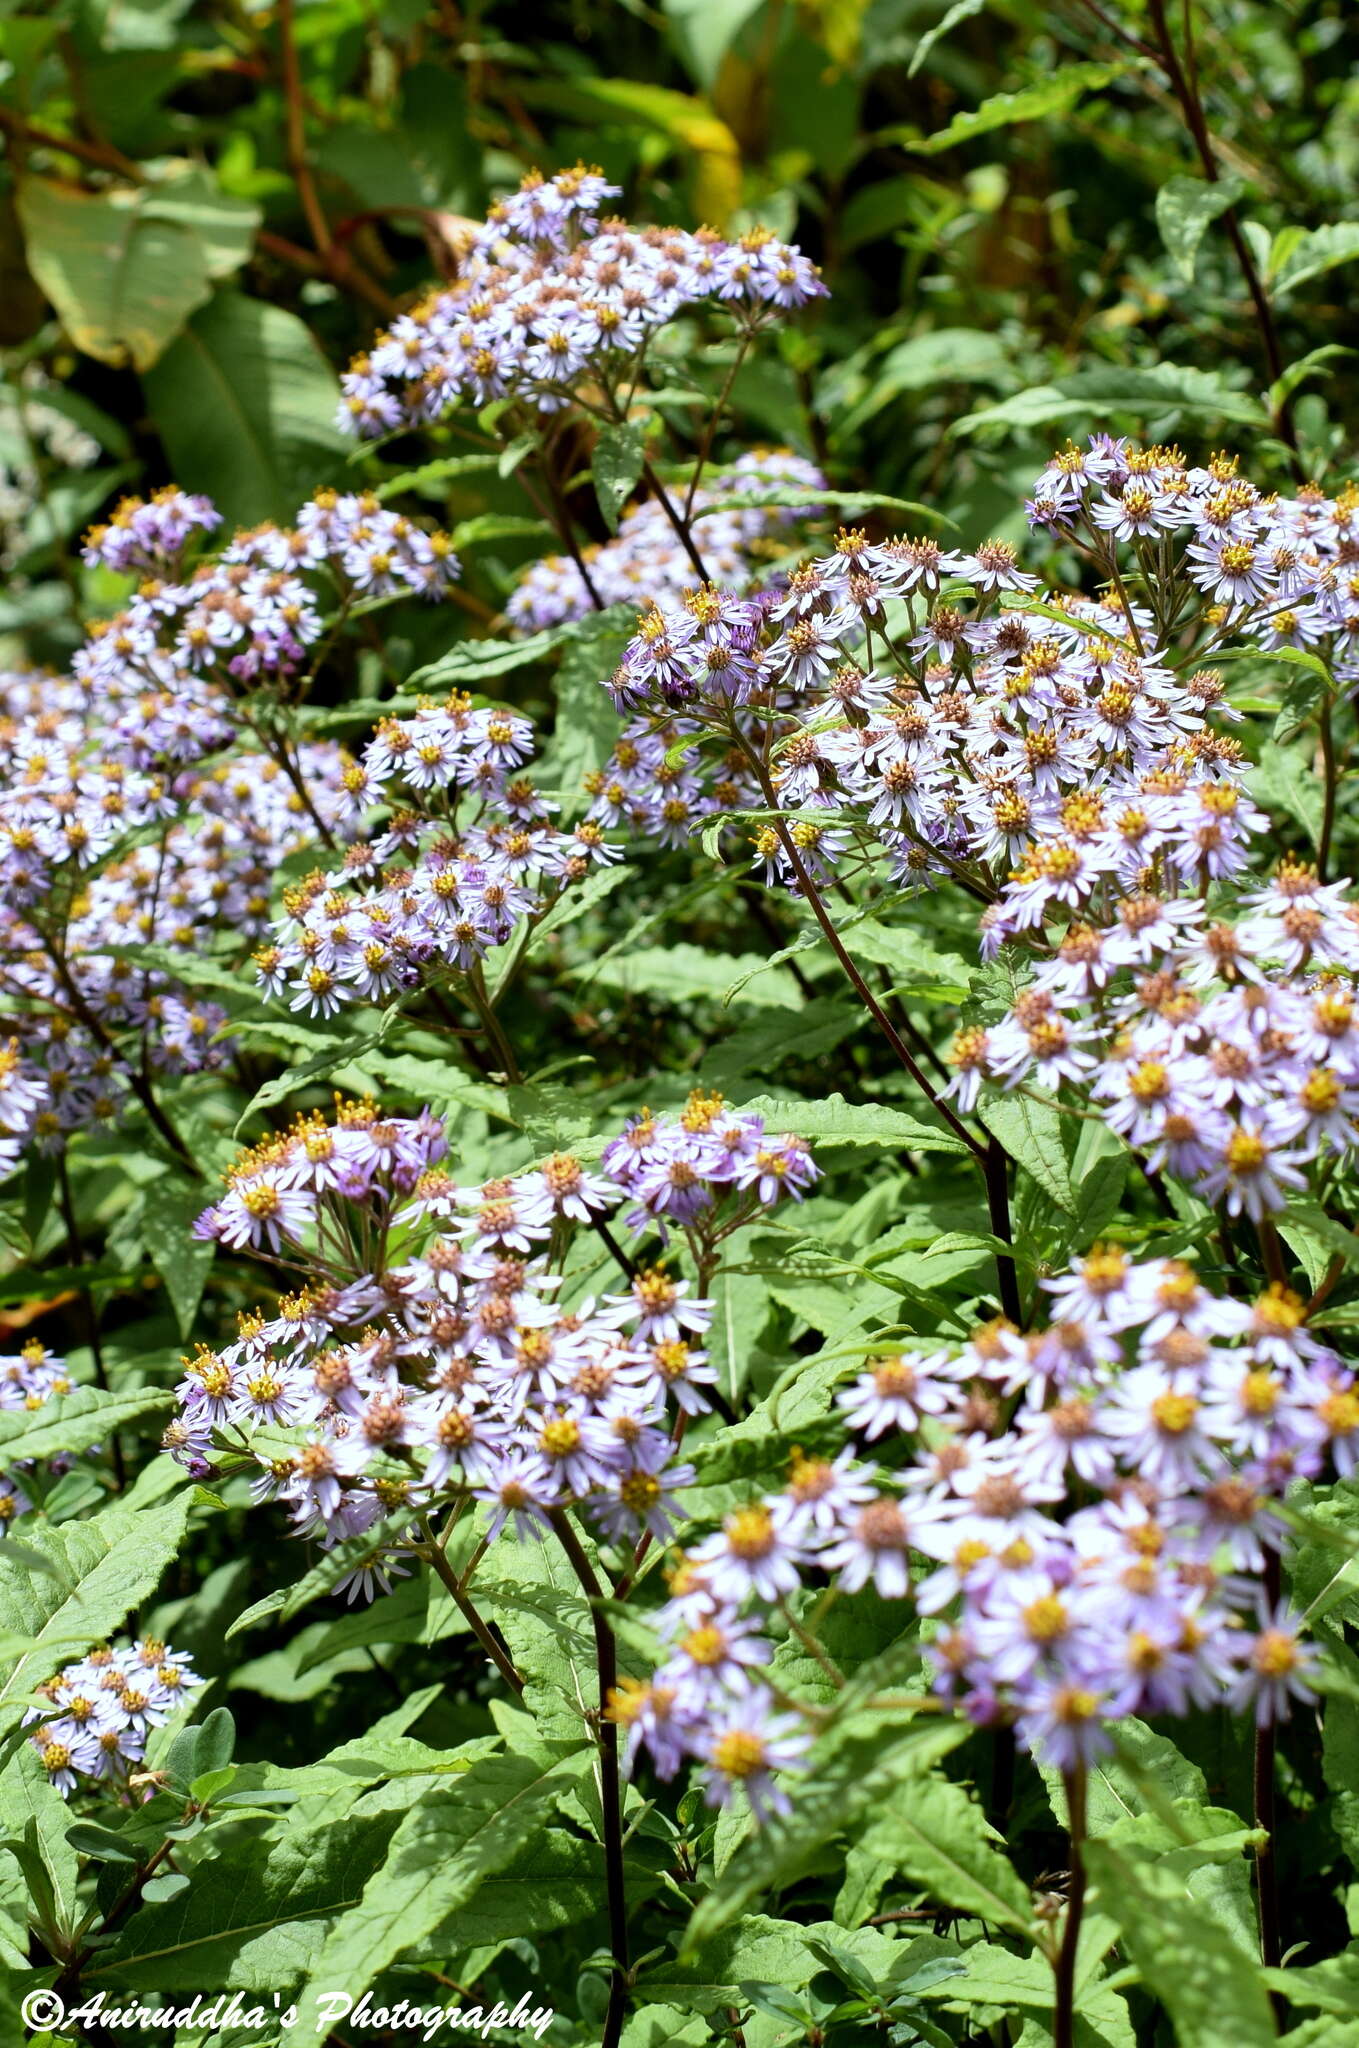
<point x="833" y="1121"/>
<point x="938" y="1837"/>
<point x="74" y="1421"/>
<point x="1031" y="1133"/>
<point x="98" y="1571"/>
<point x="1038" y="102"/>
<point x="439" y="1855"/>
<point x="1211" y="1990"/>
<point x="854" y="1771"/>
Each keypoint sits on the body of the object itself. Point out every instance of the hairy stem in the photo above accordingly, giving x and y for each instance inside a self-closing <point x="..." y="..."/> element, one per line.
<point x="444" y="1571"/>
<point x="1064" y="1968"/>
<point x="610" y="1784"/>
<point x="1185" y="88"/>
<point x="1330" y="781"/>
<point x="1263" y="1801"/>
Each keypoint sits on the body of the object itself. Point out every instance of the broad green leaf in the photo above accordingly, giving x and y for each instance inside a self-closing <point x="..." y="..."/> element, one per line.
<point x="74" y="1421"/>
<point x="1185" y="208"/>
<point x="1055" y="95"/>
<point x="34" y="1819"/>
<point x="1031" y="1132"/>
<point x="1212" y="1991"/>
<point x="182" y="1260"/>
<point x="586" y="724"/>
<point x="436" y="1860"/>
<point x="126" y="266"/>
<point x="760" y="1950"/>
<point x="99" y="1570"/>
<point x="938" y="1837"/>
<point x="1157" y="393"/>
<point x="833" y="1121"/>
<point x="1297" y="256"/>
<point x="257" y="1911"/>
<point x="245" y="404"/>
<point x="992" y="1976"/>
<point x="685" y="973"/>
<point x="916" y="966"/>
<point x="853" y="1773"/>
<point x="619" y="453"/>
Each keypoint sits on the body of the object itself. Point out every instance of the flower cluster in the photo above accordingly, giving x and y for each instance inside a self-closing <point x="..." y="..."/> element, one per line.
<point x="464" y="851"/>
<point x="28" y="1380"/>
<point x="436" y="1359"/>
<point x="101" y="1711"/>
<point x="121" y="842"/>
<point x="928" y="713"/>
<point x="550" y="296"/>
<point x="1080" y="1517"/>
<point x="734" y="516"/>
<point x="1220" y="1037"/>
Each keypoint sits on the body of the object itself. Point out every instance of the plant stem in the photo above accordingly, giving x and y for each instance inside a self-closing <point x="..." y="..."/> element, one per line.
<point x="335" y="259"/>
<point x="1064" y="1968"/>
<point x="677" y="521"/>
<point x="989" y="1157"/>
<point x="1266" y="1817"/>
<point x="68" y="1213"/>
<point x="1328" y="788"/>
<point x="444" y="1571"/>
<point x="1186" y="92"/>
<point x="610" y="1786"/>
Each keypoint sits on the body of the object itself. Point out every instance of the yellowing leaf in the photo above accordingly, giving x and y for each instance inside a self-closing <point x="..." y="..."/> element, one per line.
<point x="125" y="267"/>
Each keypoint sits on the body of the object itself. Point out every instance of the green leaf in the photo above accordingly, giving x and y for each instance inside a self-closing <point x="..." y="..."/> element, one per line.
<point x="255" y="1917"/>
<point x="617" y="463"/>
<point x="916" y="966"/>
<point x="245" y="404"/>
<point x="74" y="1421"/>
<point x="182" y="1260"/>
<point x="1185" y="207"/>
<point x="1297" y="256"/>
<point x="1212" y="1991"/>
<point x="586" y="723"/>
<point x="1156" y="393"/>
<point x="946" y="355"/>
<point x="439" y="1855"/>
<point x="1055" y="95"/>
<point x="1031" y="1132"/>
<point x="686" y="974"/>
<point x="854" y="1771"/>
<point x="936" y="1835"/>
<point x="34" y="1819"/>
<point x="97" y="1571"/>
<point x="833" y="1121"/>
<point x="705" y="30"/>
<point x="125" y="267"/>
<point x="961" y="10"/>
<point x="992" y="1976"/>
